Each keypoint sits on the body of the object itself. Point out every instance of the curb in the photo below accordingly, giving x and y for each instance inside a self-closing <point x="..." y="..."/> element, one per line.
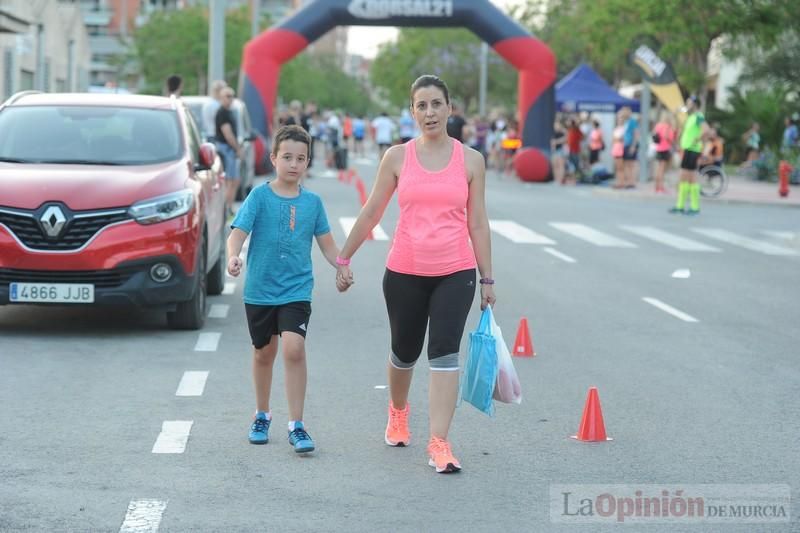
<point x="777" y="202"/>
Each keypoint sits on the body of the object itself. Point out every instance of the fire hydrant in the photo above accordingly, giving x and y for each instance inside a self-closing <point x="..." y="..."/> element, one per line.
<point x="784" y="171"/>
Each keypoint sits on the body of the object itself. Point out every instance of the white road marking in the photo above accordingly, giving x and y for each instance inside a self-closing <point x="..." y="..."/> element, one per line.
<point x="219" y="311"/>
<point x="347" y="224"/>
<point x="329" y="174"/>
<point x="744" y="242"/>
<point x="782" y="235"/>
<point x="517" y="233"/>
<point x="143" y="516"/>
<point x="207" y="342"/>
<point x="591" y="235"/>
<point x="669" y="309"/>
<point x="364" y="161"/>
<point x="675" y="241"/>
<point x="682" y="273"/>
<point x="230" y="287"/>
<point x="381" y="387"/>
<point x="192" y="383"/>
<point x="173" y="436"/>
<point x="556" y="253"/>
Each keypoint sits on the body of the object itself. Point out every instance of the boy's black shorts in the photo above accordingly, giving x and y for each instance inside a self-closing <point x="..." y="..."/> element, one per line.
<point x="689" y="160"/>
<point x="264" y="321"/>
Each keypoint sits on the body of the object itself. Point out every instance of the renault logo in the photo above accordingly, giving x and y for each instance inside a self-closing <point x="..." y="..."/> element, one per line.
<point x="52" y="221"/>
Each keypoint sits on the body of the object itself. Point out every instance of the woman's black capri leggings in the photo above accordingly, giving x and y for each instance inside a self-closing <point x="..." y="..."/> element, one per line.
<point x="411" y="300"/>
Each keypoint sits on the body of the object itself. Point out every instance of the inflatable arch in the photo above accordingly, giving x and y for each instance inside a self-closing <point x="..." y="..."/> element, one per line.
<point x="264" y="55"/>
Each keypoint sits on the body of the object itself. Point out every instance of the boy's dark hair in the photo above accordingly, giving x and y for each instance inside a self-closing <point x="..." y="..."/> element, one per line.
<point x="174" y="83"/>
<point x="429" y="80"/>
<point x="291" y="133"/>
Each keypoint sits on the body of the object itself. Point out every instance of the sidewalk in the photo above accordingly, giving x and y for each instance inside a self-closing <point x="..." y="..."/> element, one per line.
<point x="740" y="190"/>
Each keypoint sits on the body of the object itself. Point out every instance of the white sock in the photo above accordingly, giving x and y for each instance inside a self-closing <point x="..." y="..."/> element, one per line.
<point x="293" y="424"/>
<point x="268" y="414"/>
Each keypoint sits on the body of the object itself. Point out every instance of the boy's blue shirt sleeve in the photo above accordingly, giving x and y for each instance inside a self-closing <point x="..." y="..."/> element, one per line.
<point x="246" y="215"/>
<point x="322" y="227"/>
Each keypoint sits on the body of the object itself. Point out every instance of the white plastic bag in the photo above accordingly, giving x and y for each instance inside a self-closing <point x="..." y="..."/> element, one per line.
<point x="507" y="388"/>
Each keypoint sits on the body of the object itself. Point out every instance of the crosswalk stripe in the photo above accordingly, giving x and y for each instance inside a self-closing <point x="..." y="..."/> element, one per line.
<point x="517" y="233"/>
<point x="207" y="342"/>
<point x="556" y="253"/>
<point x="173" y="437"/>
<point x="143" y="516"/>
<point x="192" y="383"/>
<point x="669" y="239"/>
<point x="347" y="224"/>
<point x="591" y="235"/>
<point x="745" y="242"/>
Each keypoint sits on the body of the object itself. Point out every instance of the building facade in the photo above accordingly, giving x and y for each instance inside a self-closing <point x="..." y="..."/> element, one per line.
<point x="43" y="46"/>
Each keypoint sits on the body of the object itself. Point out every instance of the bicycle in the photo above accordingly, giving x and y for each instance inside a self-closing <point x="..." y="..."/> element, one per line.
<point x="712" y="179"/>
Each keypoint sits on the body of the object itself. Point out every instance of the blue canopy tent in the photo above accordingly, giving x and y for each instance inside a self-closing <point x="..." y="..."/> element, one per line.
<point x="584" y="90"/>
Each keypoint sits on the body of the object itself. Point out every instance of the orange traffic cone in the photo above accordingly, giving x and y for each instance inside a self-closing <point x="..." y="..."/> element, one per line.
<point x="523" y="347"/>
<point x="592" y="428"/>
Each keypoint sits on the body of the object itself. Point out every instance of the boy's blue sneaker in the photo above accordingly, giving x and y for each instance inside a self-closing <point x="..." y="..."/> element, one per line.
<point x="259" y="431"/>
<point x="300" y="439"/>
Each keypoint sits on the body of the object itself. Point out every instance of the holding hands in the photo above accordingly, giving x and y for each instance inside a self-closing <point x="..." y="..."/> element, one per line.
<point x="344" y="277"/>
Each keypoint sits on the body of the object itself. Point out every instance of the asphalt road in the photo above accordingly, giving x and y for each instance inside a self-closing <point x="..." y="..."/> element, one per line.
<point x="84" y="392"/>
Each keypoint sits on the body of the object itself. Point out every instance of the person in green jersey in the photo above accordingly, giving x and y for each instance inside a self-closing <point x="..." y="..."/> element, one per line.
<point x="694" y="130"/>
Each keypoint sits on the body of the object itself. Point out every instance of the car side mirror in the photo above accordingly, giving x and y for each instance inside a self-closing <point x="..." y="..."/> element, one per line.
<point x="208" y="153"/>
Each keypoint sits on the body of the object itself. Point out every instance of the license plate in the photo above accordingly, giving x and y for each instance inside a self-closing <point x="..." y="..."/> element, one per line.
<point x="70" y="293"/>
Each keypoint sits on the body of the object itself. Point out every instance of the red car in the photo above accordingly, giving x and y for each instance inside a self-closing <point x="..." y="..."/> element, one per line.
<point x="109" y="199"/>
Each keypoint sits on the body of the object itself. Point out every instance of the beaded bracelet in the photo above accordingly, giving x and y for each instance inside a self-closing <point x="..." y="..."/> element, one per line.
<point x="486" y="281"/>
<point x="342" y="261"/>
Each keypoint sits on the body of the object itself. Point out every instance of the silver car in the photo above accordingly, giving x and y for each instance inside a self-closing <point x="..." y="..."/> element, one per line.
<point x="245" y="134"/>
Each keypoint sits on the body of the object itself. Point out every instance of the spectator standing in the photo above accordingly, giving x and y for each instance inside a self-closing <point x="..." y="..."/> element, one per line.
<point x="618" y="151"/>
<point x="752" y="142"/>
<point x="574" y="138"/>
<point x="210" y="109"/>
<point x="664" y="140"/>
<point x="694" y="131"/>
<point x="596" y="142"/>
<point x="790" y="134"/>
<point x="631" y="152"/>
<point x="228" y="147"/>
<point x="558" y="159"/>
<point x="174" y="86"/>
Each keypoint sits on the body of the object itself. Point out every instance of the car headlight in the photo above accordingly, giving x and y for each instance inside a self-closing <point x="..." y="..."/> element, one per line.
<point x="162" y="208"/>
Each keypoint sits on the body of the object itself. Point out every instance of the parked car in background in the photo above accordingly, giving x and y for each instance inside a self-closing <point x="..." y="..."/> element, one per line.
<point x="109" y="199"/>
<point x="251" y="141"/>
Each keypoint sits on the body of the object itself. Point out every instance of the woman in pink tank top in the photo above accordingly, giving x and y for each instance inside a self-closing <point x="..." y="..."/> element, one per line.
<point x="429" y="284"/>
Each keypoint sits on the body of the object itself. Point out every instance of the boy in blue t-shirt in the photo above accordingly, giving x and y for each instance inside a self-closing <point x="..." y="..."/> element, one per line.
<point x="282" y="218"/>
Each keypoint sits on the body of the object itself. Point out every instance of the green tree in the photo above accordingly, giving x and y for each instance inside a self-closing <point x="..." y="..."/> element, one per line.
<point x="318" y="78"/>
<point x="451" y="54"/>
<point x="176" y="42"/>
<point x="601" y="32"/>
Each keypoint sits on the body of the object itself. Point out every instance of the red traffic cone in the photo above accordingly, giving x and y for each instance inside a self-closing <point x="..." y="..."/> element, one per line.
<point x="592" y="428"/>
<point x="523" y="347"/>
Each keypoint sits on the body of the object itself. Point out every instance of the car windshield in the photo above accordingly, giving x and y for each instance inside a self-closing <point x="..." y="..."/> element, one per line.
<point x="89" y="135"/>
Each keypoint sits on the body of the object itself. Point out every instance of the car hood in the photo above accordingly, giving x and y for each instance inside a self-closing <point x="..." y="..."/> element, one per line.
<point x="83" y="187"/>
